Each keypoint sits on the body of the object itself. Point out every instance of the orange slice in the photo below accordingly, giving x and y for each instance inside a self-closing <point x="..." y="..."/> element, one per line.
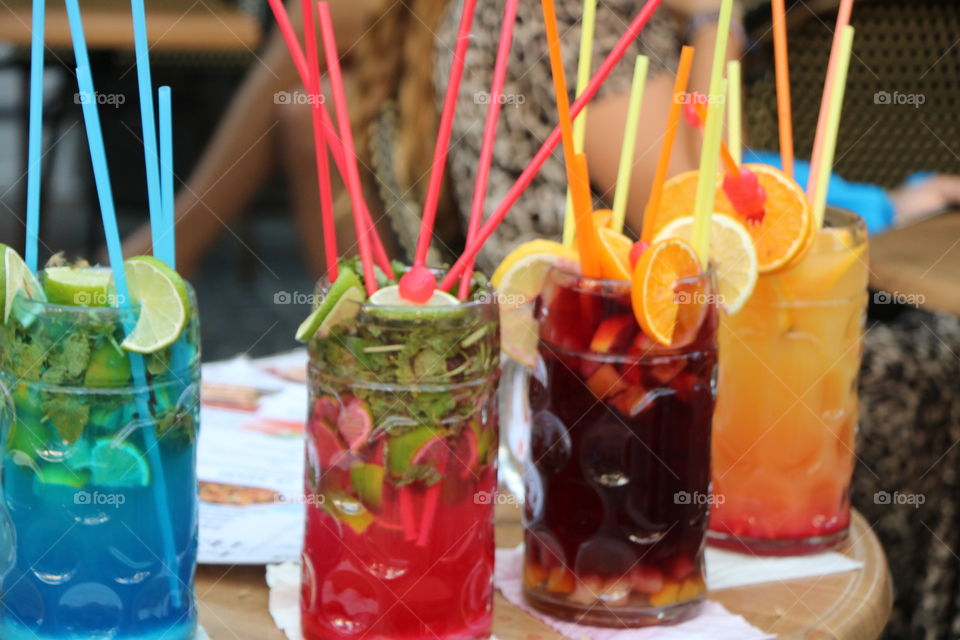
<point x="654" y="281"/>
<point x="783" y="234"/>
<point x="614" y="254"/>
<point x="602" y="218"/>
<point x="678" y="198"/>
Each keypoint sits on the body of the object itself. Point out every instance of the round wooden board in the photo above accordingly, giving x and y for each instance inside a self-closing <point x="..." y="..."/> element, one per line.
<point x="847" y="606"/>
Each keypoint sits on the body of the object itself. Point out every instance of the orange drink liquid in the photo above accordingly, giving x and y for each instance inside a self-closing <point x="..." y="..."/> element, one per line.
<point x="785" y="424"/>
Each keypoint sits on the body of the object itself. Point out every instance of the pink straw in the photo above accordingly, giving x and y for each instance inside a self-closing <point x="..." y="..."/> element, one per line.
<point x="489" y="135"/>
<point x="548" y="147"/>
<point x="331" y="138"/>
<point x="843" y="20"/>
<point x="320" y="143"/>
<point x="443" y="136"/>
<point x="352" y="177"/>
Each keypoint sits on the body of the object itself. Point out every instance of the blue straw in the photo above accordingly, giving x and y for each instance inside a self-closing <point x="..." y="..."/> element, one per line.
<point x="101" y="173"/>
<point x="35" y="140"/>
<point x="149" y="126"/>
<point x="167" y="231"/>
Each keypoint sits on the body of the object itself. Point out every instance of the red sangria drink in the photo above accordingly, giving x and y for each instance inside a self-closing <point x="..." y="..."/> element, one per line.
<point x="617" y="474"/>
<point x="401" y="467"/>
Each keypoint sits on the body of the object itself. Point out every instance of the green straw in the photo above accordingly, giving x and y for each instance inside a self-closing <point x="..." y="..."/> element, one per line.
<point x="629" y="146"/>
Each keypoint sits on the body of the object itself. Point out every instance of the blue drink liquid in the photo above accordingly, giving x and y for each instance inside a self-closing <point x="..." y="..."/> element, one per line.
<point x="82" y="555"/>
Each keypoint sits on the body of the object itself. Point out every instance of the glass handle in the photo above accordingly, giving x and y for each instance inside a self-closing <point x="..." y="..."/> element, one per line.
<point x="514" y="424"/>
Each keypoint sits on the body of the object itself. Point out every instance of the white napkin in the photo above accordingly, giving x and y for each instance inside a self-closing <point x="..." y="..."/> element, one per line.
<point x="726" y="569"/>
<point x="713" y="623"/>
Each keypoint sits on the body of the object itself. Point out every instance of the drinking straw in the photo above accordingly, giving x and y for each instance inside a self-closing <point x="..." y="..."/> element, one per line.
<point x="843" y="20"/>
<point x="167" y="233"/>
<point x="147" y="119"/>
<point x="584" y="61"/>
<point x="734" y="112"/>
<point x="706" y="181"/>
<point x="837" y="91"/>
<point x="430" y="502"/>
<point x="547" y="148"/>
<point x="330" y="132"/>
<point x="713" y="130"/>
<point x="489" y="134"/>
<point x="577" y="178"/>
<point x="108" y="213"/>
<point x="35" y="134"/>
<point x="666" y="150"/>
<point x="784" y="115"/>
<point x="443" y="135"/>
<point x="640" y="67"/>
<point x="319" y="141"/>
<point x="352" y="177"/>
<point x="407" y="517"/>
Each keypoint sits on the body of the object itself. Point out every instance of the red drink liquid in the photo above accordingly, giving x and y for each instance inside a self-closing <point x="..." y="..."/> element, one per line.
<point x="618" y="473"/>
<point x="401" y="475"/>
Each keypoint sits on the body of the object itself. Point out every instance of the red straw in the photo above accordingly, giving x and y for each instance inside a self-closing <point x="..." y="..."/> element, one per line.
<point x="489" y="135"/>
<point x="320" y="143"/>
<point x="331" y="138"/>
<point x="548" y="147"/>
<point x="443" y="136"/>
<point x="352" y="177"/>
<point x="843" y="20"/>
<point x="428" y="516"/>
<point x="406" y="513"/>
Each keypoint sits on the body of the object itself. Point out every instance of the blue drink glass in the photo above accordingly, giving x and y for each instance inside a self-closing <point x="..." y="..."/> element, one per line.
<point x="98" y="525"/>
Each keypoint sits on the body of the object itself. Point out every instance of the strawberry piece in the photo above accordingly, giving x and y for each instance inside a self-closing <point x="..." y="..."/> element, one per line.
<point x="746" y="195"/>
<point x="354" y="422"/>
<point x="614" y="333"/>
<point x="326" y="408"/>
<point x="647" y="580"/>
<point x="418" y="285"/>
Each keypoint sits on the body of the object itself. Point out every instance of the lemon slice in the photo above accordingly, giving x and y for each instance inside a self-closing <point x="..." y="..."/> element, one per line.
<point x="522" y="273"/>
<point x="732" y="251"/>
<point x="16" y="277"/>
<point x="164" y="304"/>
<point x="390" y="297"/>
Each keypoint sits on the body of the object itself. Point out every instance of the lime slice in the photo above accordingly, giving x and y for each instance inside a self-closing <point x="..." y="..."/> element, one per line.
<point x="367" y="482"/>
<point x="78" y="286"/>
<point x="118" y="464"/>
<point x="390" y="297"/>
<point x="341" y="303"/>
<point x="60" y="474"/>
<point x="402" y="449"/>
<point x="14" y="278"/>
<point x="164" y="304"/>
<point x="108" y="367"/>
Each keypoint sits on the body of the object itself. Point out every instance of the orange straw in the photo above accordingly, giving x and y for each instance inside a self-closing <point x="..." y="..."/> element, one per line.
<point x="577" y="176"/>
<point x="784" y="115"/>
<point x="673" y="123"/>
<point x="362" y="224"/>
<point x="843" y="20"/>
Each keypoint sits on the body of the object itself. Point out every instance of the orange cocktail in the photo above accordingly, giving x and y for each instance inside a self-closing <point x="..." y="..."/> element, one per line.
<point x="786" y="416"/>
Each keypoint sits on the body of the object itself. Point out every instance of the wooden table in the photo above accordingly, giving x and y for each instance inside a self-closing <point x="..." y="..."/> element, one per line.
<point x="920" y="264"/>
<point x="846" y="606"/>
<point x="172" y="25"/>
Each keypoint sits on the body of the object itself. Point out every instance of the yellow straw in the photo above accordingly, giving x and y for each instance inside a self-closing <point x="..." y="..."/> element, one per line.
<point x="734" y="112"/>
<point x="833" y="125"/>
<point x="629" y="143"/>
<point x="584" y="67"/>
<point x="713" y="130"/>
